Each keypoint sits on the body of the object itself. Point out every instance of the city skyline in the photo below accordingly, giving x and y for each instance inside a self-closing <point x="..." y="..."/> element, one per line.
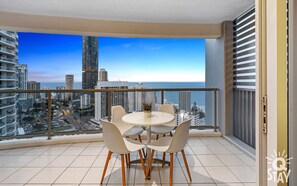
<point x="126" y="59"/>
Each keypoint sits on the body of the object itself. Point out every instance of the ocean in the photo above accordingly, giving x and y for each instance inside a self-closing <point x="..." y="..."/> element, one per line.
<point x="171" y="97"/>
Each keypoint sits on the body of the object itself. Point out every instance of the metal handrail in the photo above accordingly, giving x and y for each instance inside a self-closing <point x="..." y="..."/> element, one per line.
<point x="109" y="92"/>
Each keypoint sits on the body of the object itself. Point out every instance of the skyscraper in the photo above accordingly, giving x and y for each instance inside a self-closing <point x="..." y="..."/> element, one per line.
<point x="22" y="71"/>
<point x="103" y="75"/>
<point x="89" y="62"/>
<point x="69" y="85"/>
<point x="8" y="80"/>
<point x="185" y="101"/>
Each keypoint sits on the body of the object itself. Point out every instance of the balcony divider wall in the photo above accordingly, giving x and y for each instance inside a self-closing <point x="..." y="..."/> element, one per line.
<point x="244" y="75"/>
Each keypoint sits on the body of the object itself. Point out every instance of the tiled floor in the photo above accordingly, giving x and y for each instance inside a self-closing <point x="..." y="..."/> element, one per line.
<point x="212" y="160"/>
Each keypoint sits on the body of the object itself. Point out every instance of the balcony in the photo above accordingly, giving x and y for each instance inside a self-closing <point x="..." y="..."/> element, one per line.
<point x="7" y="51"/>
<point x="8" y="78"/>
<point x="7" y="42"/>
<point x="7" y="69"/>
<point x="8" y="60"/>
<point x="212" y="160"/>
<point x="8" y="34"/>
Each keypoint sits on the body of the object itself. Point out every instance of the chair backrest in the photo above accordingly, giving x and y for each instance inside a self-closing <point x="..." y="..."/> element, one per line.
<point x="180" y="137"/>
<point x="168" y="108"/>
<point x="117" y="112"/>
<point x="113" y="138"/>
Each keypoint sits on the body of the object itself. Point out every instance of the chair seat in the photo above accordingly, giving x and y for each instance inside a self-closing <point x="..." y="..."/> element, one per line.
<point x="133" y="131"/>
<point x="162" y="129"/>
<point x="133" y="145"/>
<point x="160" y="145"/>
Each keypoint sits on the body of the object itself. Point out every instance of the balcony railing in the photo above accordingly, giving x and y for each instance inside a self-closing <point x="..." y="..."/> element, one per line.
<point x="13" y="36"/>
<point x="7" y="68"/>
<point x="62" y="112"/>
<point x="7" y="51"/>
<point x="7" y="60"/>
<point x="8" y="77"/>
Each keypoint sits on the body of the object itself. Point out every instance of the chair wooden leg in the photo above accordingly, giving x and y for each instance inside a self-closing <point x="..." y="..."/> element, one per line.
<point x="127" y="161"/>
<point x="149" y="164"/>
<point x="163" y="159"/>
<point x="171" y="169"/>
<point x="123" y="170"/>
<point x="106" y="165"/>
<point x="157" y="137"/>
<point x="171" y="134"/>
<point x="186" y="164"/>
<point x="142" y="162"/>
<point x="144" y="155"/>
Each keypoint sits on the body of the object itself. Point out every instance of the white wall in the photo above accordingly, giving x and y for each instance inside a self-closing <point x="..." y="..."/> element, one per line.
<point x="219" y="74"/>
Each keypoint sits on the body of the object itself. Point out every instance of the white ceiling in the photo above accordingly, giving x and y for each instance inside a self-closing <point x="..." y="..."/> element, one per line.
<point x="158" y="11"/>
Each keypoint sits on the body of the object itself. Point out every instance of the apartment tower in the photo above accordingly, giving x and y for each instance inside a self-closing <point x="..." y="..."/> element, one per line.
<point x="89" y="62"/>
<point x="8" y="80"/>
<point x="68" y="86"/>
<point x="185" y="101"/>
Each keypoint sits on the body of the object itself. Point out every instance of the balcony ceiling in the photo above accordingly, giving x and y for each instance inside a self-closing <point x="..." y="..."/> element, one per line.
<point x="122" y="18"/>
<point x="154" y="11"/>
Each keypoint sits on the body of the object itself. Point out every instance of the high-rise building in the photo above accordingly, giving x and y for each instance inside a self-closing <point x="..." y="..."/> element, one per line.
<point x="85" y="101"/>
<point x="8" y="80"/>
<point x="118" y="98"/>
<point x="60" y="95"/>
<point x="22" y="74"/>
<point x="32" y="97"/>
<point x="185" y="101"/>
<point x="103" y="76"/>
<point x="136" y="99"/>
<point x="69" y="85"/>
<point x="89" y="62"/>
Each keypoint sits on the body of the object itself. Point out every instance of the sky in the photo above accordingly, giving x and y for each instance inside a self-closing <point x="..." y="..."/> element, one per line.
<point x="51" y="56"/>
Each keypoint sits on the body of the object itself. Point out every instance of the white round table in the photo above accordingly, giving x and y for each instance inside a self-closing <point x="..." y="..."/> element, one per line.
<point x="139" y="119"/>
<point x="157" y="118"/>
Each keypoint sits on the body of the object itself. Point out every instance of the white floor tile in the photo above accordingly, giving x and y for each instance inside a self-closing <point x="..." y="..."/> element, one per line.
<point x="94" y="175"/>
<point x="209" y="141"/>
<point x="96" y="144"/>
<point x="14" y="152"/>
<point x="80" y="144"/>
<point x="116" y="176"/>
<point x="244" y="174"/>
<point x="72" y="151"/>
<point x="36" y="151"/>
<point x="201" y="150"/>
<point x="54" y="151"/>
<point x="199" y="176"/>
<point x="192" y="160"/>
<point x="5" y="172"/>
<point x="83" y="161"/>
<point x="5" y="159"/>
<point x="178" y="175"/>
<point x="209" y="160"/>
<point x="47" y="175"/>
<point x="219" y="149"/>
<point x="222" y="175"/>
<point x="140" y="178"/>
<point x="20" y="161"/>
<point x="248" y="160"/>
<point x="234" y="149"/>
<point x="41" y="161"/>
<point x="72" y="175"/>
<point x="62" y="161"/>
<point x="23" y="175"/>
<point x="231" y="160"/>
<point x="92" y="151"/>
<point x="100" y="161"/>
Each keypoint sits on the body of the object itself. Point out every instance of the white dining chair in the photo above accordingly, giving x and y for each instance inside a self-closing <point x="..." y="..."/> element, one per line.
<point x="127" y="130"/>
<point x="172" y="145"/>
<point x="115" y="143"/>
<point x="165" y="128"/>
